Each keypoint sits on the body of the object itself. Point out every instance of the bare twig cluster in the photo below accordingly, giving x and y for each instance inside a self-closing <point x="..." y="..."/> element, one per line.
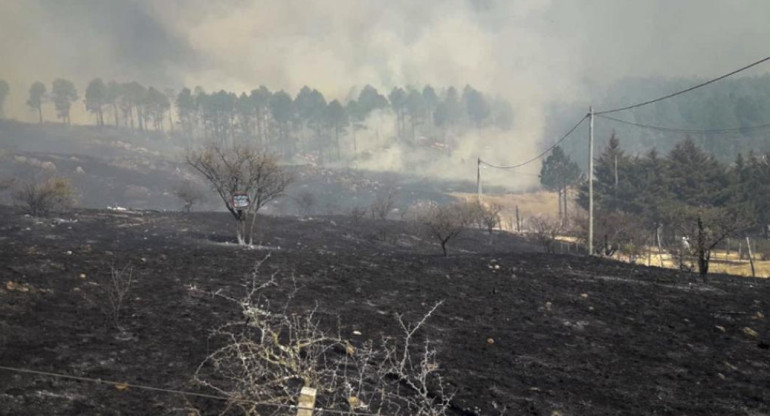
<point x="272" y="352"/>
<point x="488" y="218"/>
<point x="545" y="230"/>
<point x="112" y="293"/>
<point x="384" y="203"/>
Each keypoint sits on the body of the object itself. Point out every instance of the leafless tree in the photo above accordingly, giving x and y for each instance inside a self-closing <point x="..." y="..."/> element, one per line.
<point x="708" y="227"/>
<point x="384" y="203"/>
<point x="445" y="222"/>
<point x="42" y="198"/>
<point x="488" y="218"/>
<point x="241" y="168"/>
<point x="189" y="193"/>
<point x="545" y="230"/>
<point x="110" y="294"/>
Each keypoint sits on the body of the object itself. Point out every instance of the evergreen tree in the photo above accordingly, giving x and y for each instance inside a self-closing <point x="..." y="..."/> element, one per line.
<point x="5" y="89"/>
<point x="36" y="97"/>
<point x="96" y="99"/>
<point x="186" y="109"/>
<point x="64" y="94"/>
<point x="559" y="173"/>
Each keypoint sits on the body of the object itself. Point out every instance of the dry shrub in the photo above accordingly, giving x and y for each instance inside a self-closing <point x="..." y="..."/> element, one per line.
<point x="357" y="214"/>
<point x="111" y="294"/>
<point x="43" y="198"/>
<point x="545" y="229"/>
<point x="190" y="193"/>
<point x="488" y="218"/>
<point x="614" y="232"/>
<point x="273" y="351"/>
<point x="384" y="203"/>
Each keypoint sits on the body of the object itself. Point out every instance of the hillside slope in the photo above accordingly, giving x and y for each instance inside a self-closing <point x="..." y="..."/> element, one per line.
<point x="520" y="331"/>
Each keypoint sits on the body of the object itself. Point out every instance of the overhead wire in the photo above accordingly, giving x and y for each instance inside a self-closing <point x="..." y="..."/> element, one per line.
<point x="679" y="130"/>
<point x="540" y="155"/>
<point x="694" y="87"/>
<point x="123" y="385"/>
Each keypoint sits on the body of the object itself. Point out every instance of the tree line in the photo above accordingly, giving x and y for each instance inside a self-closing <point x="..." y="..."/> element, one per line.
<point x="305" y="123"/>
<point x="741" y="104"/>
<point x="687" y="199"/>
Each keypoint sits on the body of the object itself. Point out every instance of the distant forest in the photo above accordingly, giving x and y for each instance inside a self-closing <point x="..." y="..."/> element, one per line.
<point x="306" y="124"/>
<point x="739" y="105"/>
<point x="735" y="114"/>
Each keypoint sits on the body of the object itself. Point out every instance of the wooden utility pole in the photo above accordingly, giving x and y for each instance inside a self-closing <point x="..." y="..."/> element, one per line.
<point x="478" y="178"/>
<point x="518" y="220"/>
<point x="306" y="402"/>
<point x="590" y="181"/>
<point x="751" y="257"/>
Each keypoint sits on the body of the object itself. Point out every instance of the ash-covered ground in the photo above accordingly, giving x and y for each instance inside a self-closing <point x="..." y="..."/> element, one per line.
<point x="571" y="335"/>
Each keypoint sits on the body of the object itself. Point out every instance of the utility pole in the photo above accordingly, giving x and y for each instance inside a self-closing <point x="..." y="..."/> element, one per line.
<point x="478" y="178"/>
<point x="590" y="181"/>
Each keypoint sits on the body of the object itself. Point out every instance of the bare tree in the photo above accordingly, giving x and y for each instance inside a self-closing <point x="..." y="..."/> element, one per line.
<point x="42" y="198"/>
<point x="488" y="218"/>
<point x="241" y="169"/>
<point x="709" y="227"/>
<point x="189" y="193"/>
<point x="445" y="222"/>
<point x="384" y="203"/>
<point x="545" y="230"/>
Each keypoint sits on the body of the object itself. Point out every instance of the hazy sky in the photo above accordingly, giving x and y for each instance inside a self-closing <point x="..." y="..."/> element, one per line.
<point x="562" y="46"/>
<point x="530" y="51"/>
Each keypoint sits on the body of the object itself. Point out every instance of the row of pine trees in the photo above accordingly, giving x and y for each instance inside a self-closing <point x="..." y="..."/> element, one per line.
<point x="305" y="123"/>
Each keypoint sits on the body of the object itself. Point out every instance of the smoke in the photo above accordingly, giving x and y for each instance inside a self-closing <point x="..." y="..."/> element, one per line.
<point x="530" y="52"/>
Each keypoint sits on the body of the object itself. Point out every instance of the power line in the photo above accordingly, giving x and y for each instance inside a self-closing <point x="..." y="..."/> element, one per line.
<point x="564" y="137"/>
<point x="122" y="385"/>
<point x="702" y="84"/>
<point x="694" y="131"/>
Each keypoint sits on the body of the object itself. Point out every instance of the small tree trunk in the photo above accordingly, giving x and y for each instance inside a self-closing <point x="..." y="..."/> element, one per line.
<point x="40" y="113"/>
<point x="443" y="247"/>
<point x="566" y="214"/>
<point x="704" y="254"/>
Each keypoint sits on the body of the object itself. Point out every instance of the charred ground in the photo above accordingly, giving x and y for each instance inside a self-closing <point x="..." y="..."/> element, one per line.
<point x="572" y="335"/>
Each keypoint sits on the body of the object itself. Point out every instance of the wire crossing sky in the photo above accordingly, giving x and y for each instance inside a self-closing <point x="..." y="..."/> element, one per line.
<point x="694" y="87"/>
<point x="558" y="142"/>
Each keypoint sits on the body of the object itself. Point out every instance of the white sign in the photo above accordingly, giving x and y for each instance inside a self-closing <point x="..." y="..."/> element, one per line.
<point x="241" y="200"/>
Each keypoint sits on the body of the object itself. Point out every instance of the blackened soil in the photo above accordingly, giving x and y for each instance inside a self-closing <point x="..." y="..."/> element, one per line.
<point x="522" y="331"/>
